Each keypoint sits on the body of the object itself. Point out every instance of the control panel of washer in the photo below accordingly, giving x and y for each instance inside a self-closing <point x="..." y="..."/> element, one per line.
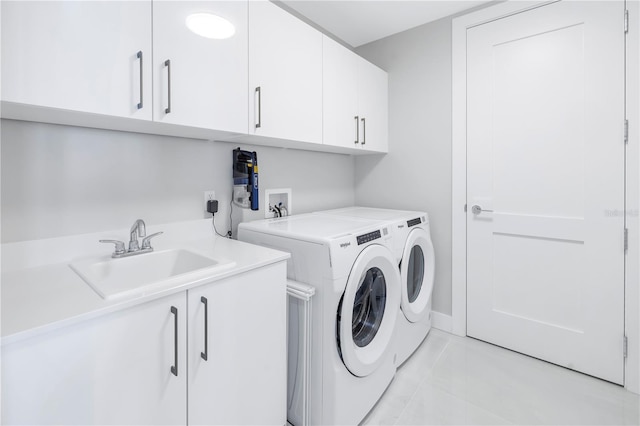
<point x="414" y="222"/>
<point x="365" y="238"/>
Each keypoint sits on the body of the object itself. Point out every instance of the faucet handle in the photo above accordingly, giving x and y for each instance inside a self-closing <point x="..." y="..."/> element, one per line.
<point x="119" y="245"/>
<point x="146" y="242"/>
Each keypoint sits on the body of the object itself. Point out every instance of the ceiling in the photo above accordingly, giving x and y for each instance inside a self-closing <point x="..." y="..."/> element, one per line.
<point x="358" y="22"/>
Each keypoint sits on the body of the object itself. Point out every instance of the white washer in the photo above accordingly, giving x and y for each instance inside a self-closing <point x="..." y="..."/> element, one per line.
<point x="354" y="310"/>
<point x="414" y="251"/>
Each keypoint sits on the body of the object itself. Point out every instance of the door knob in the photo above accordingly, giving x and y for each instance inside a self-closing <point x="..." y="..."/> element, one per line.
<point x="476" y="209"/>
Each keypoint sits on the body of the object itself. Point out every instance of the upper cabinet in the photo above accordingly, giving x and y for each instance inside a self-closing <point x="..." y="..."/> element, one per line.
<point x="354" y="100"/>
<point x="373" y="107"/>
<point x="78" y="55"/>
<point x="274" y="81"/>
<point x="96" y="57"/>
<point x="285" y="75"/>
<point x="200" y="81"/>
<point x="340" y="95"/>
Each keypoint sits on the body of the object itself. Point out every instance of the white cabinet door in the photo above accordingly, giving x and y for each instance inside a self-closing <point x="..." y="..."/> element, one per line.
<point x="80" y="56"/>
<point x="373" y="106"/>
<point x="243" y="378"/>
<point x="114" y="369"/>
<point x="340" y="121"/>
<point x="354" y="100"/>
<point x="207" y="85"/>
<point x="285" y="75"/>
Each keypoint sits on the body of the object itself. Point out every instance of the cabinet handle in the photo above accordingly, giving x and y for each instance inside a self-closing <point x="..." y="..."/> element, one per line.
<point x="357" y="129"/>
<point x="174" y="367"/>
<point x="259" y="94"/>
<point x="204" y="354"/>
<point x="364" y="131"/>
<point x="139" y="56"/>
<point x="167" y="64"/>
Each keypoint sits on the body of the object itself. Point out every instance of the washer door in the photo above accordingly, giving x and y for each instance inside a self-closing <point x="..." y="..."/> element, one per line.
<point x="368" y="310"/>
<point x="417" y="272"/>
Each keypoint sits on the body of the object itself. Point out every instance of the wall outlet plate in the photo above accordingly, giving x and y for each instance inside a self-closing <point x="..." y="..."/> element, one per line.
<point x="208" y="195"/>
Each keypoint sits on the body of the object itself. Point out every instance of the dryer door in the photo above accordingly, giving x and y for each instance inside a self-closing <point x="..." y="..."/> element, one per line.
<point x="368" y="310"/>
<point x="417" y="272"/>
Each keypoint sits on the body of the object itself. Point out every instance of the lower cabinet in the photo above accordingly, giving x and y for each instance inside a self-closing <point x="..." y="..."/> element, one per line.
<point x="237" y="373"/>
<point x="145" y="364"/>
<point x="114" y="369"/>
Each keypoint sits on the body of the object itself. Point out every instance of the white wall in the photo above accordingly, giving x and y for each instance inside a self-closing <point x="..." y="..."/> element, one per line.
<point x="62" y="180"/>
<point x="416" y="174"/>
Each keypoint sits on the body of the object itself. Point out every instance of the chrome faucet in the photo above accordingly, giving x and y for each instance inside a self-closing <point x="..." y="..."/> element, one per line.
<point x="137" y="230"/>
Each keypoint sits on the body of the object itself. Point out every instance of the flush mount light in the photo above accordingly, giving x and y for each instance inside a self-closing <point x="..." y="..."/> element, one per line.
<point x="210" y="26"/>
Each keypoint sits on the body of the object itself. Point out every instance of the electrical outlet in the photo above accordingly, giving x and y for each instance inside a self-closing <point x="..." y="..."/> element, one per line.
<point x="208" y="195"/>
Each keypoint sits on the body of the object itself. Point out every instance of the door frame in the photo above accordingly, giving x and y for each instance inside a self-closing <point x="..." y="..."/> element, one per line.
<point x="459" y="174"/>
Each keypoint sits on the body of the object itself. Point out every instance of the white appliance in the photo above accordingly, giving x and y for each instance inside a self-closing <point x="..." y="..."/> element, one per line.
<point x="412" y="246"/>
<point x="355" y="309"/>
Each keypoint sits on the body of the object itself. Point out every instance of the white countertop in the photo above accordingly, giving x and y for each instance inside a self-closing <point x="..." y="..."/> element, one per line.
<point x="40" y="292"/>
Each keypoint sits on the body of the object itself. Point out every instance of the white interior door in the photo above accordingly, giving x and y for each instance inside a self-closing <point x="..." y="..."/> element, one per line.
<point x="546" y="165"/>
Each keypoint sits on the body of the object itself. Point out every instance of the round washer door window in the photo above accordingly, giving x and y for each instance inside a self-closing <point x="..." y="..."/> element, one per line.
<point x="368" y="307"/>
<point x="368" y="311"/>
<point x="417" y="273"/>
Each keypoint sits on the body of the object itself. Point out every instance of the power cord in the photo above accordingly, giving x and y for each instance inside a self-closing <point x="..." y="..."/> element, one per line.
<point x="213" y="222"/>
<point x="212" y="207"/>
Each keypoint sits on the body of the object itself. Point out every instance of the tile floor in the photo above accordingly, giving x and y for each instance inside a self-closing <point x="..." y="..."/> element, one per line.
<point x="454" y="380"/>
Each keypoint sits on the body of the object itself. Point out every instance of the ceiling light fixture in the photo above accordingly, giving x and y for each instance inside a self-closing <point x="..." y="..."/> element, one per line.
<point x="210" y="26"/>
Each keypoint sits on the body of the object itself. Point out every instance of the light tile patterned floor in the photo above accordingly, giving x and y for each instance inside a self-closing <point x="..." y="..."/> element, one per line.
<point x="462" y="381"/>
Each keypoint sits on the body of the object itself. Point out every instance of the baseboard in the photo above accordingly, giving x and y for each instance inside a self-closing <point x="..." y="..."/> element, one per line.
<point x="441" y="321"/>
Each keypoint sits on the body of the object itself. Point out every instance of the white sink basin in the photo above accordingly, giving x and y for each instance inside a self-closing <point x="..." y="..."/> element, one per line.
<point x="140" y="274"/>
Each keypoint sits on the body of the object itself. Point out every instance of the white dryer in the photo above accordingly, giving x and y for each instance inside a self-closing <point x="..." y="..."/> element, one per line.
<point x="411" y="242"/>
<point x="354" y="310"/>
